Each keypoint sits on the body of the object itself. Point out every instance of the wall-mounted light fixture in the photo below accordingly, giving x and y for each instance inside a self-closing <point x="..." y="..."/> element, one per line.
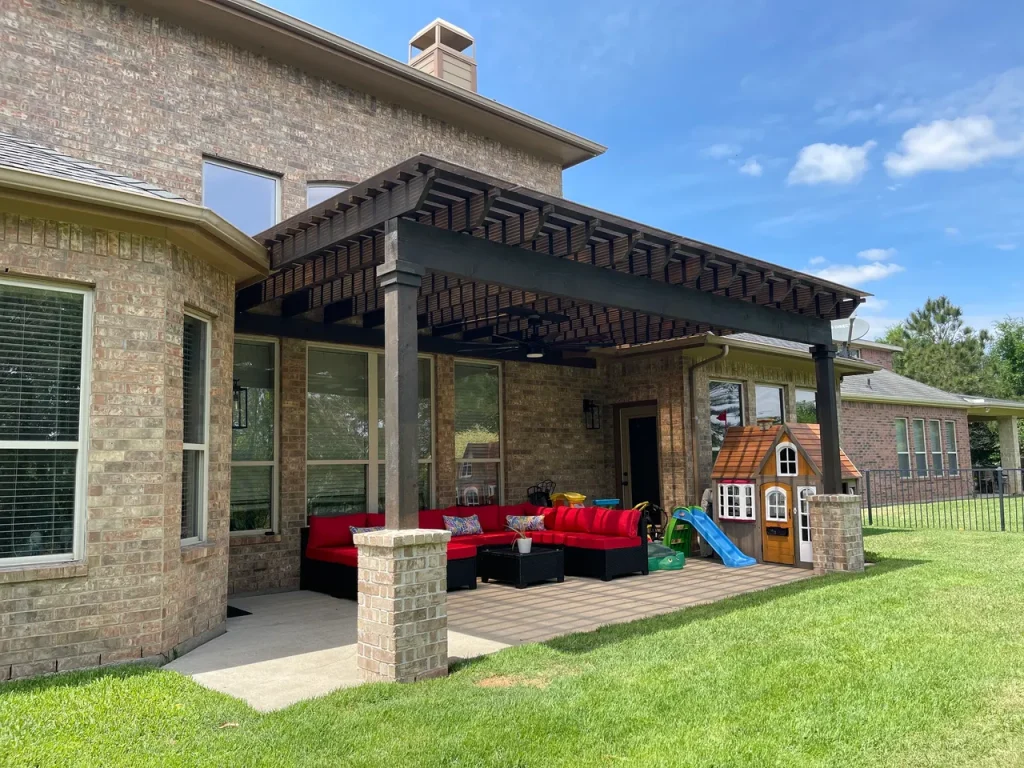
<point x="239" y="406"/>
<point x="591" y="414"/>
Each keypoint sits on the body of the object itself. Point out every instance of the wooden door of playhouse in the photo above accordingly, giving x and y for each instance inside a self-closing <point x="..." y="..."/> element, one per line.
<point x="776" y="525"/>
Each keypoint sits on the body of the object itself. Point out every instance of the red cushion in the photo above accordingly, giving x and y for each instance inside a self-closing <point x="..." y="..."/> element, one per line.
<point x="375" y="519"/>
<point x="616" y="522"/>
<point x="600" y="541"/>
<point x="460" y="550"/>
<point x="492" y="539"/>
<point x="432" y="518"/>
<point x="518" y="510"/>
<point x="343" y="555"/>
<point x="573" y="519"/>
<point x="549" y="537"/>
<point x="333" y="530"/>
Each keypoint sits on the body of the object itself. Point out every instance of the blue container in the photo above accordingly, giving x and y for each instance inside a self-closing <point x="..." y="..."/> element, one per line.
<point x="606" y="503"/>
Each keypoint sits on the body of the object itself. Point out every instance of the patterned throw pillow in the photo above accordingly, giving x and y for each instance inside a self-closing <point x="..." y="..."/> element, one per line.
<point x="356" y="529"/>
<point x="525" y="522"/>
<point x="463" y="526"/>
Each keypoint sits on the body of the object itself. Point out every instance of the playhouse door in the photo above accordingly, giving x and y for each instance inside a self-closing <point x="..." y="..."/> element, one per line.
<point x="776" y="526"/>
<point x="803" y="514"/>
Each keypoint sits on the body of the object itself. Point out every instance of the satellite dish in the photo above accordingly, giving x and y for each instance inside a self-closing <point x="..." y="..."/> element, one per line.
<point x="851" y="329"/>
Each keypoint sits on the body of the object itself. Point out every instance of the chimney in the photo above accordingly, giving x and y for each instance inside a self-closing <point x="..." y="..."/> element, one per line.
<point x="446" y="52"/>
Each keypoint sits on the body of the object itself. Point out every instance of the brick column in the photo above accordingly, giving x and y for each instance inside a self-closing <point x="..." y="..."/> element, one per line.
<point x="1009" y="453"/>
<point x="836" y="534"/>
<point x="403" y="611"/>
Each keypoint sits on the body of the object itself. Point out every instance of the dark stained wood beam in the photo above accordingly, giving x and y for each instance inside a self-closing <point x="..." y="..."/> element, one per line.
<point x="337" y="311"/>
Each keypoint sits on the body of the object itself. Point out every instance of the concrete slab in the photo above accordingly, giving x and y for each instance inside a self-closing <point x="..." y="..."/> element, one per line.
<point x="300" y="645"/>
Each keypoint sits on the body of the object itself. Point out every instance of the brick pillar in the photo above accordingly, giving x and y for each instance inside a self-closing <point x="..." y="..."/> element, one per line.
<point x="403" y="611"/>
<point x="1009" y="453"/>
<point x="836" y="533"/>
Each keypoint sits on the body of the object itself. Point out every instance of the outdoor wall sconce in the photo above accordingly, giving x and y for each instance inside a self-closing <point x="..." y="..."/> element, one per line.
<point x="239" y="406"/>
<point x="591" y="414"/>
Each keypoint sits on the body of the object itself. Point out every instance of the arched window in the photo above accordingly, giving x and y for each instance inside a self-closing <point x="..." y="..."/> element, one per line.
<point x="785" y="460"/>
<point x="776" y="507"/>
<point x="471" y="496"/>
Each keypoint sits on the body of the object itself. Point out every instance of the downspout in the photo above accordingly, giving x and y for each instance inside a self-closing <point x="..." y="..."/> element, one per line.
<point x="694" y="439"/>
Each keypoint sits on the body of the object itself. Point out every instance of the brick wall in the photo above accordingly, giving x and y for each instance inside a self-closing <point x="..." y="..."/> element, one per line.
<point x="139" y="95"/>
<point x="137" y="593"/>
<point x="880" y="357"/>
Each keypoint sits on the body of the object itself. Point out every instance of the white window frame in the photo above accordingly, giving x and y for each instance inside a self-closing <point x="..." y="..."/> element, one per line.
<point x="341" y="186"/>
<point x="743" y="406"/>
<point x="81" y="445"/>
<point x="803" y="509"/>
<point x="373" y="462"/>
<point x="204" y="489"/>
<point x="906" y="434"/>
<point x="935" y="450"/>
<point x="918" y="453"/>
<point x="952" y="451"/>
<point x="745" y="508"/>
<point x="501" y="425"/>
<point x="783" y="446"/>
<point x="768" y="507"/>
<point x="275" y="472"/>
<point x="243" y="168"/>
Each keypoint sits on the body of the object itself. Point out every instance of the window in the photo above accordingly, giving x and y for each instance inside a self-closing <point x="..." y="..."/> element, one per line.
<point x="952" y="459"/>
<point x="478" y="433"/>
<point x="726" y="400"/>
<point x="902" y="448"/>
<point x="806" y="406"/>
<point x="254" y="437"/>
<point x="195" y="384"/>
<point x="803" y="495"/>
<point x="736" y="501"/>
<point x="770" y="403"/>
<point x="920" y="450"/>
<point x="345" y="431"/>
<point x="318" y="191"/>
<point x="785" y="460"/>
<point x="249" y="199"/>
<point x="776" y="505"/>
<point x="44" y="354"/>
<point x="935" y="442"/>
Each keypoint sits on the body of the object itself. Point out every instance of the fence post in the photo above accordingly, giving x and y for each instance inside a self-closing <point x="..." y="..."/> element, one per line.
<point x="1002" y="509"/>
<point x="867" y="489"/>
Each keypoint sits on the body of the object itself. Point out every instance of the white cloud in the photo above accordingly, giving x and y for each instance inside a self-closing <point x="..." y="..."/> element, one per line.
<point x="830" y="163"/>
<point x="720" y="151"/>
<point x="950" y="145"/>
<point x="874" y="304"/>
<point x="877" y="254"/>
<point x="751" y="168"/>
<point x="817" y="261"/>
<point x="952" y="231"/>
<point x="858" y="274"/>
<point x="1007" y="246"/>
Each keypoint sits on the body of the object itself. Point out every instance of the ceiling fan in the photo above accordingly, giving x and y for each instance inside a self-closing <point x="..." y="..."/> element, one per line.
<point x="534" y="346"/>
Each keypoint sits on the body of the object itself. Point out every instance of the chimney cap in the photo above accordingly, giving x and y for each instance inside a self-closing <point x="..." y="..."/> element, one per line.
<point x="443" y="32"/>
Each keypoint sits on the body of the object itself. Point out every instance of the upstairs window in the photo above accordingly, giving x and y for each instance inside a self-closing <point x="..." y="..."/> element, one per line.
<point x="248" y="198"/>
<point x="44" y="349"/>
<point x="785" y="460"/>
<point x="318" y="191"/>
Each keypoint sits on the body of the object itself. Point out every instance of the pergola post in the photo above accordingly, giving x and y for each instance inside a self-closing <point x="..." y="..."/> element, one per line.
<point x="402" y="616"/>
<point x="827" y="405"/>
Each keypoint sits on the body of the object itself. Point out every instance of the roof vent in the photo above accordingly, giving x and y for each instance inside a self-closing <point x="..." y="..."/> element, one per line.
<point x="446" y="52"/>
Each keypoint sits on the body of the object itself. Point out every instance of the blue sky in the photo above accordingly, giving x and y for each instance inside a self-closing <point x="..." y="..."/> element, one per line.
<point x="880" y="144"/>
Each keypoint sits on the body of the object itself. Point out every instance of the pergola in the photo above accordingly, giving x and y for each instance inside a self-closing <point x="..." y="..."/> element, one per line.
<point x="435" y="257"/>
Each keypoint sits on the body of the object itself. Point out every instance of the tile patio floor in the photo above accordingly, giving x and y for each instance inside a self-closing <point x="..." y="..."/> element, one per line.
<point x="298" y="645"/>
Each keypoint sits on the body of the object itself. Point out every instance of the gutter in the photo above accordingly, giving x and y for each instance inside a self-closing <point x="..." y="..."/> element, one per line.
<point x="694" y="442"/>
<point x="251" y="256"/>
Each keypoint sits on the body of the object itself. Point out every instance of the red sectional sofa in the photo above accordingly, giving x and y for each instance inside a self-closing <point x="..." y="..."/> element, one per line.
<point x="600" y="543"/>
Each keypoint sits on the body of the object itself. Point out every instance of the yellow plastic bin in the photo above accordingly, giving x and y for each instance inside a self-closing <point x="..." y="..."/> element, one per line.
<point x="568" y="500"/>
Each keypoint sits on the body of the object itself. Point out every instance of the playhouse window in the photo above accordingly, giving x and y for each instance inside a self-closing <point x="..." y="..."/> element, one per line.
<point x="776" y="508"/>
<point x="736" y="501"/>
<point x="785" y="460"/>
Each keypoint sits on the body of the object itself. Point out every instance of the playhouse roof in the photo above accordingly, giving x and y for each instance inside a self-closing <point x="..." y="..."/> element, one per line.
<point x="746" y="448"/>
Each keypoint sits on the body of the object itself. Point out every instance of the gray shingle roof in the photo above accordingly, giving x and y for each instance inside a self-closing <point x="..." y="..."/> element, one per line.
<point x="769" y="341"/>
<point x="27" y="156"/>
<point x="887" y="384"/>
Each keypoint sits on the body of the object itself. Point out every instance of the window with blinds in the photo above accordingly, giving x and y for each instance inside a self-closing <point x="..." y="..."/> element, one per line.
<point x="43" y="352"/>
<point x="253" y="438"/>
<point x="478" y="433"/>
<point x="195" y="355"/>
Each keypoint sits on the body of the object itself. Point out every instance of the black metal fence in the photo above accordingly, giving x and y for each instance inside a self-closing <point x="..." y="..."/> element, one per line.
<point x="969" y="500"/>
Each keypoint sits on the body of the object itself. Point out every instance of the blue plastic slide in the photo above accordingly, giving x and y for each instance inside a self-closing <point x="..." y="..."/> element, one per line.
<point x="731" y="555"/>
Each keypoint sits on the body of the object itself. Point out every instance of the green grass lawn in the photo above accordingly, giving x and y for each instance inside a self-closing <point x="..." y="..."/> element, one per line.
<point x="980" y="513"/>
<point x="919" y="662"/>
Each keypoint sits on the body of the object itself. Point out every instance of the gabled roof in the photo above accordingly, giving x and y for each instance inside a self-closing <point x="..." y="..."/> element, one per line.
<point x="746" y="449"/>
<point x="26" y="155"/>
<point x="886" y="385"/>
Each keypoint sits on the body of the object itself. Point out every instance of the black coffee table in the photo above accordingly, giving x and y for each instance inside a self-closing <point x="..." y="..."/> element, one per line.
<point x="506" y="564"/>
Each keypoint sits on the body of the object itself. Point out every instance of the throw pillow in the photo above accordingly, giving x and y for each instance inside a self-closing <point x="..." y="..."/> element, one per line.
<point x="370" y="529"/>
<point x="463" y="526"/>
<point x="525" y="522"/>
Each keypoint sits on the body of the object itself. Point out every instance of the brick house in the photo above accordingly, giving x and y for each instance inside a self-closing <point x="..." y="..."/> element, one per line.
<point x="206" y="408"/>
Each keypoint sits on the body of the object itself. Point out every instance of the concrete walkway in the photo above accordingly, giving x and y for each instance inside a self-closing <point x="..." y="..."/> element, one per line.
<point x="299" y="645"/>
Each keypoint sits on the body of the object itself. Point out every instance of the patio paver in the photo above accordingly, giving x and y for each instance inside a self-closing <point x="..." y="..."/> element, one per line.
<point x="300" y="645"/>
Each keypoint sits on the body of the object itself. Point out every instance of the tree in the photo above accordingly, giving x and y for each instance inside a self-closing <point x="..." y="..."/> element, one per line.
<point x="941" y="351"/>
<point x="1008" y="351"/>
